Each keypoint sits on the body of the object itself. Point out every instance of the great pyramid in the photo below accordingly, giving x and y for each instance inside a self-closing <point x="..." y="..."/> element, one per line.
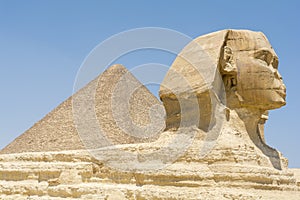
<point x="57" y="130"/>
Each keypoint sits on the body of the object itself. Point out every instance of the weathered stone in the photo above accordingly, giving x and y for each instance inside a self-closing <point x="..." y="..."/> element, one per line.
<point x="93" y="180"/>
<point x="233" y="69"/>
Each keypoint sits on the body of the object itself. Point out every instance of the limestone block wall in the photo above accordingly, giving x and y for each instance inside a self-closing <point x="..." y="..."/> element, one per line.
<point x="76" y="175"/>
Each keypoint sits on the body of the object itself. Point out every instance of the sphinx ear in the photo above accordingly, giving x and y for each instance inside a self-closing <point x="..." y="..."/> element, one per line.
<point x="228" y="68"/>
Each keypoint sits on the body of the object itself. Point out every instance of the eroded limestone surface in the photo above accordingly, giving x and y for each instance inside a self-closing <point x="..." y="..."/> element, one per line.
<point x="225" y="73"/>
<point x="77" y="175"/>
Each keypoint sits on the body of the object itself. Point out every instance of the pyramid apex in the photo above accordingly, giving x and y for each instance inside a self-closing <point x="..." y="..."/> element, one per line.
<point x="116" y="67"/>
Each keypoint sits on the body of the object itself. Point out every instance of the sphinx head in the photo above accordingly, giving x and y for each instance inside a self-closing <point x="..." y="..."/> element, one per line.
<point x="236" y="68"/>
<point x="249" y="68"/>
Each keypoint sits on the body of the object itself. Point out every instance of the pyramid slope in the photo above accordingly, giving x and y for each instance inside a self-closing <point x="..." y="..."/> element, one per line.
<point x="57" y="130"/>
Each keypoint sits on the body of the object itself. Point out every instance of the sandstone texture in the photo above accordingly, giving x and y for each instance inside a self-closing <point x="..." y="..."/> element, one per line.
<point x="112" y="140"/>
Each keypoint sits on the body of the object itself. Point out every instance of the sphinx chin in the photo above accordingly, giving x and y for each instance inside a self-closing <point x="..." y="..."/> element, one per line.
<point x="279" y="104"/>
<point x="277" y="101"/>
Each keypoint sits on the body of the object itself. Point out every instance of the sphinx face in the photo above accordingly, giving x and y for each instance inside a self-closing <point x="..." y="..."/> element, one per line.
<point x="258" y="81"/>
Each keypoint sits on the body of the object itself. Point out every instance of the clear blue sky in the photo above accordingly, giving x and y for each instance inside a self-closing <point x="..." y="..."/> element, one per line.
<point x="43" y="43"/>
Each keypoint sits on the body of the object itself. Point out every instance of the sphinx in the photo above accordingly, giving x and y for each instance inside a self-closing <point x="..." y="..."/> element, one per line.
<point x="235" y="69"/>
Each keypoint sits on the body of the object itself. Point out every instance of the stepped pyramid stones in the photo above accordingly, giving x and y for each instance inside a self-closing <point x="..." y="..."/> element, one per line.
<point x="57" y="130"/>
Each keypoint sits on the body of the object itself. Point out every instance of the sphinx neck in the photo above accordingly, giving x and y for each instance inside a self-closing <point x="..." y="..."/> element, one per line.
<point x="251" y="118"/>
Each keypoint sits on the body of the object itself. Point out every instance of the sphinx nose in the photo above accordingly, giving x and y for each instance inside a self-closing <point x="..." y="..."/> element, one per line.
<point x="277" y="75"/>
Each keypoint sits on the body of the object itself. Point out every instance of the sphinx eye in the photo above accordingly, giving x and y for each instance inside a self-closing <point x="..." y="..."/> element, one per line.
<point x="275" y="62"/>
<point x="264" y="55"/>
